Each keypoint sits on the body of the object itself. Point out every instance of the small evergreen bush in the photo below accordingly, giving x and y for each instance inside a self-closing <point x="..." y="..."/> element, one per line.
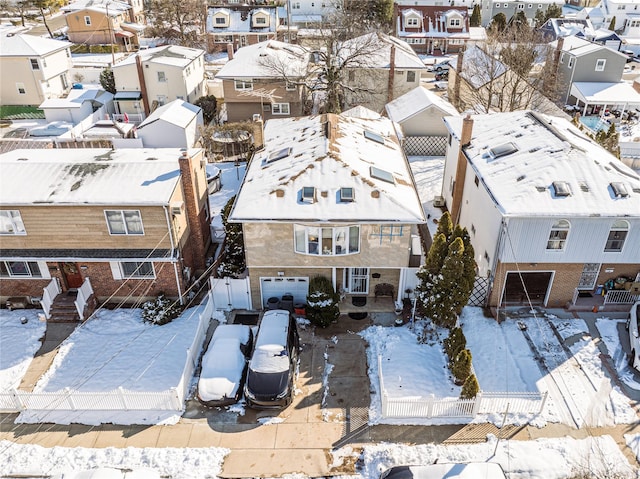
<point x="470" y="388"/>
<point x="461" y="368"/>
<point x="322" y="302"/>
<point x="161" y="310"/>
<point x="454" y="343"/>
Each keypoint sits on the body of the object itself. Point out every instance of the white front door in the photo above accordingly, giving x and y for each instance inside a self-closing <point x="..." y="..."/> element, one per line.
<point x="589" y="276"/>
<point x="358" y="280"/>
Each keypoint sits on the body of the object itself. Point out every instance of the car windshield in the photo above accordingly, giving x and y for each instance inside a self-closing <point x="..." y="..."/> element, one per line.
<point x="267" y="384"/>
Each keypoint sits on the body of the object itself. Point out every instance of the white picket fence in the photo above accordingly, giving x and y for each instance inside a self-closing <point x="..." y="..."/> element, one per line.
<point x="84" y="293"/>
<point x="484" y="403"/>
<point x="119" y="399"/>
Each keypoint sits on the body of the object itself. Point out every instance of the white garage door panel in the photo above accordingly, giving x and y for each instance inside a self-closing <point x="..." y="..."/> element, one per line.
<point x="296" y="286"/>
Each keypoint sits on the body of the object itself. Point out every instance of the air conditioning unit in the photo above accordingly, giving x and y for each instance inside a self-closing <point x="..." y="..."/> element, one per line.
<point x="177" y="208"/>
<point x="438" y="201"/>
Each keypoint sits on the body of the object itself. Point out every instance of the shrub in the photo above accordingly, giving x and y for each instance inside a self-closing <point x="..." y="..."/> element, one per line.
<point x="470" y="388"/>
<point x="454" y="343"/>
<point x="161" y="310"/>
<point x="322" y="302"/>
<point x="461" y="368"/>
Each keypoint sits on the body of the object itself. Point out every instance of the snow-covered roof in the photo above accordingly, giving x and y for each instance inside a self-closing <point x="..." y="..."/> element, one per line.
<point x="30" y="46"/>
<point x="140" y="176"/>
<point x="253" y="61"/>
<point x="415" y="101"/>
<point x="82" y="4"/>
<point x="328" y="153"/>
<point x="519" y="156"/>
<point x="478" y="68"/>
<point x="619" y="93"/>
<point x="176" y="112"/>
<point x="167" y="55"/>
<point x="405" y="56"/>
<point x="241" y="21"/>
<point x="577" y="46"/>
<point x="76" y="97"/>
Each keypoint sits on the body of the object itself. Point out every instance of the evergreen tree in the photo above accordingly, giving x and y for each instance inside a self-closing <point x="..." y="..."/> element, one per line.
<point x="468" y="278"/>
<point x="612" y="24"/>
<point x="470" y="388"/>
<point x="322" y="302"/>
<point x="445" y="298"/>
<point x="476" y="18"/>
<point x="233" y="261"/>
<point x="462" y="367"/>
<point x="107" y="80"/>
<point x="209" y="105"/>
<point x="498" y="22"/>
<point x="454" y="343"/>
<point x="445" y="225"/>
<point x="610" y="140"/>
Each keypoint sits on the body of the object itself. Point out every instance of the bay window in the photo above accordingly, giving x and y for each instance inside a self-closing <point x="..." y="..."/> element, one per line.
<point x="327" y="241"/>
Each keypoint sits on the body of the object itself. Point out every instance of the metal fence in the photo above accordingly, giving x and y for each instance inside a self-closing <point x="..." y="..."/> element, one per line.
<point x="425" y="145"/>
<point x="119" y="399"/>
<point x="484" y="403"/>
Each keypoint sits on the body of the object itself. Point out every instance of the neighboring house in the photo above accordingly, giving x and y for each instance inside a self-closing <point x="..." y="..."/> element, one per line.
<point x="241" y="25"/>
<point x="583" y="61"/>
<point x="34" y="69"/>
<point x="131" y="221"/>
<point x="311" y="13"/>
<point x="555" y="28"/>
<point x="104" y="23"/>
<point x="625" y="12"/>
<point x="550" y="213"/>
<point x="156" y="76"/>
<point x="384" y="75"/>
<point x="136" y="10"/>
<point x="253" y="84"/>
<point x="432" y="29"/>
<point x="419" y="113"/>
<point x="336" y="198"/>
<point x="491" y="8"/>
<point x="174" y="125"/>
<point x="78" y="105"/>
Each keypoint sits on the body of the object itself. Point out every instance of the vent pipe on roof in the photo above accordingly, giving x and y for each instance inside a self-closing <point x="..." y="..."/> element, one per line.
<point x="461" y="169"/>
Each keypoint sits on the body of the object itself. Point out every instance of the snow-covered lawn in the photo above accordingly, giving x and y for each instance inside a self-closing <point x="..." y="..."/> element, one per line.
<point x="18" y="344"/>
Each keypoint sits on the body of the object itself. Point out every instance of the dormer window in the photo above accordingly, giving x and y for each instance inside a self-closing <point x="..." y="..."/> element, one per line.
<point x="308" y="194"/>
<point x="221" y="19"/>
<point x="346" y="195"/>
<point x="411" y="22"/>
<point x="260" y="19"/>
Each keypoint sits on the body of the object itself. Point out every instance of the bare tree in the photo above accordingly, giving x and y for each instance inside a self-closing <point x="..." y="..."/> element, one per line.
<point x="512" y="70"/>
<point x="180" y="21"/>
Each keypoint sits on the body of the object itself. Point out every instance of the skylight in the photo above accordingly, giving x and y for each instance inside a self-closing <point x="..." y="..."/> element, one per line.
<point x="381" y="174"/>
<point x="619" y="189"/>
<point x="369" y="135"/>
<point x="503" y="150"/>
<point x="346" y="194"/>
<point x="561" y="188"/>
<point x="278" y="155"/>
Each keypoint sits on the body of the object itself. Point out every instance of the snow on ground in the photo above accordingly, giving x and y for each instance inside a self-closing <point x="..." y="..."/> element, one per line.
<point x="231" y="178"/>
<point x="427" y="172"/>
<point x="18" y="344"/>
<point x="609" y="333"/>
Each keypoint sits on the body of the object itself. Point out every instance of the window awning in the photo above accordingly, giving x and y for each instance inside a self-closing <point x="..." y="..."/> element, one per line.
<point x="127" y="95"/>
<point x="123" y="34"/>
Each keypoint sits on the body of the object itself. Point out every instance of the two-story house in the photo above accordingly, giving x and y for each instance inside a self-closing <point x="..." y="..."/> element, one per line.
<point x="241" y="25"/>
<point x="34" y="69"/>
<point x="311" y="13"/>
<point x="491" y="8"/>
<point x="584" y="62"/>
<point x="132" y="221"/>
<point x="550" y="212"/>
<point x="432" y="29"/>
<point x="156" y="76"/>
<point x="391" y="69"/>
<point x="103" y="23"/>
<point x="329" y="195"/>
<point x="254" y="82"/>
<point x="625" y="15"/>
<point x="136" y="10"/>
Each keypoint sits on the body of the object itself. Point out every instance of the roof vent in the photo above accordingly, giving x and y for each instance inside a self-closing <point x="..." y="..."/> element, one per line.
<point x="541" y="189"/>
<point x="375" y="194"/>
<point x="369" y="135"/>
<point x="503" y="150"/>
<point x="346" y="195"/>
<point x="279" y="193"/>
<point x="324" y="194"/>
<point x="584" y="186"/>
<point x="561" y="188"/>
<point x="308" y="194"/>
<point x="619" y="189"/>
<point x="379" y="174"/>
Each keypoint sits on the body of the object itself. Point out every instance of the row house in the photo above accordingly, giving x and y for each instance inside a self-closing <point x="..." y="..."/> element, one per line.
<point x="491" y="8"/>
<point x="624" y="13"/>
<point x="34" y="69"/>
<point x="551" y="214"/>
<point x="241" y="25"/>
<point x="130" y="222"/>
<point x="432" y="29"/>
<point x="338" y="199"/>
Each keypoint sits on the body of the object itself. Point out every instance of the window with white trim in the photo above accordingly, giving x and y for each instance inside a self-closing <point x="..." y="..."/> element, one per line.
<point x="137" y="270"/>
<point x="124" y="222"/>
<point x="521" y="6"/>
<point x="455" y="22"/>
<point x="411" y="22"/>
<point x="20" y="88"/>
<point x="260" y="20"/>
<point x="34" y="64"/>
<point x="290" y="87"/>
<point x="221" y="21"/>
<point x="87" y="20"/>
<point x="411" y="76"/>
<point x="327" y="241"/>
<point x="11" y="223"/>
<point x="280" y="108"/>
<point x="162" y="77"/>
<point x="571" y="62"/>
<point x="600" y="63"/>
<point x="20" y="269"/>
<point x="415" y="41"/>
<point x="243" y="85"/>
<point x="558" y="235"/>
<point x="617" y="236"/>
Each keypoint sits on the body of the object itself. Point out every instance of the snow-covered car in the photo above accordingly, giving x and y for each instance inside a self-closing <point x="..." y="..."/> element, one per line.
<point x="224" y="365"/>
<point x="440" y="66"/>
<point x="633" y="327"/>
<point x="473" y="470"/>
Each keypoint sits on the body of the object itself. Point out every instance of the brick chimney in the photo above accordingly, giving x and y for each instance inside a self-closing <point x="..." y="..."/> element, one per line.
<point x="456" y="78"/>
<point x="194" y="185"/>
<point x="258" y="131"/>
<point x="461" y="170"/>
<point x="392" y="72"/>
<point x="143" y="85"/>
<point x="230" y="51"/>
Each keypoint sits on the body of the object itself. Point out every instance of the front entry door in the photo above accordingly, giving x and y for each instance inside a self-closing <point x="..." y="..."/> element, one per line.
<point x="589" y="276"/>
<point x="72" y="275"/>
<point x="358" y="280"/>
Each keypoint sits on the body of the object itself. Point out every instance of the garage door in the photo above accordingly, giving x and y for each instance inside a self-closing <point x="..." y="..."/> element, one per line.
<point x="276" y="287"/>
<point x="519" y="285"/>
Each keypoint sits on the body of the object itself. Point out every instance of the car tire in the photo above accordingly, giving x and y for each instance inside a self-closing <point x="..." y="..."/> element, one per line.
<point x="632" y="357"/>
<point x="439" y="69"/>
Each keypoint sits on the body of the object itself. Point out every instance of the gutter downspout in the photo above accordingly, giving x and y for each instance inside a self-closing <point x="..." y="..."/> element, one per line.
<point x="173" y="248"/>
